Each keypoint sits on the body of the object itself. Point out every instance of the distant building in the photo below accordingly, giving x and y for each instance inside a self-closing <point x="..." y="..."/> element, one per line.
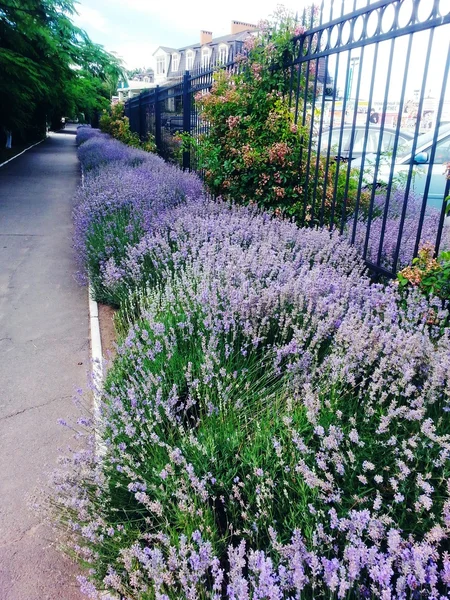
<point x="129" y="89"/>
<point x="145" y="75"/>
<point x="171" y="63"/>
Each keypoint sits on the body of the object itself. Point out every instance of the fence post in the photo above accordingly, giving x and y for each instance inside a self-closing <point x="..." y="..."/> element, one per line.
<point x="95" y="119"/>
<point x="158" y="140"/>
<point x="186" y="117"/>
<point x="140" y="117"/>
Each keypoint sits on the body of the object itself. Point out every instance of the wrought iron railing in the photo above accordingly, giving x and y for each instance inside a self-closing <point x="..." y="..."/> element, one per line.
<point x="367" y="84"/>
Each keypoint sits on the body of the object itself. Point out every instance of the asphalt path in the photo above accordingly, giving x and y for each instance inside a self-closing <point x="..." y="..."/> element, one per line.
<point x="44" y="356"/>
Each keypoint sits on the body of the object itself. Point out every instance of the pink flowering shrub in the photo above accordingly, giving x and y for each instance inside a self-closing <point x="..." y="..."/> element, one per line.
<point x="254" y="151"/>
<point x="274" y="426"/>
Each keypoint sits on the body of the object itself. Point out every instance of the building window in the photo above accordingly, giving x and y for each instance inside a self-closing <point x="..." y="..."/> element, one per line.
<point x="189" y="59"/>
<point x="206" y="55"/>
<point x="175" y="62"/>
<point x="223" y="53"/>
<point x="146" y="79"/>
<point x="160" y="65"/>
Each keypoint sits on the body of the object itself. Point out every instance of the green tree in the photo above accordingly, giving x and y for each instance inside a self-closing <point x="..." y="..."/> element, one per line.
<point x="49" y="67"/>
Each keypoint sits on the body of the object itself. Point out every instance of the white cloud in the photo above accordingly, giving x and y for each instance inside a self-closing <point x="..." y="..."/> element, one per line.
<point x="90" y="18"/>
<point x="136" y="54"/>
<point x="185" y="17"/>
<point x="177" y="24"/>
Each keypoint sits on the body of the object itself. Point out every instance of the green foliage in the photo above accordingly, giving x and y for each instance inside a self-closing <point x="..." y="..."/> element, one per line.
<point x="125" y="229"/>
<point x="48" y="67"/>
<point x="431" y="275"/>
<point x="254" y="151"/>
<point x="115" y="123"/>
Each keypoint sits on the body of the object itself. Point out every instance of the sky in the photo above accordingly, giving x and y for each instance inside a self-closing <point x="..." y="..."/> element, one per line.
<point x="133" y="29"/>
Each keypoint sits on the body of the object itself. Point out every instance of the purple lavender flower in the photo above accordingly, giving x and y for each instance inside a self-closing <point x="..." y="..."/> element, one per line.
<point x="392" y="229"/>
<point x="275" y="425"/>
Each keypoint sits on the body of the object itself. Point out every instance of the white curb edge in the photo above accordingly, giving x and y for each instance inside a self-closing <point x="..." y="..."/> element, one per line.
<point x="96" y="360"/>
<point x="97" y="380"/>
<point x="23" y="151"/>
<point x="97" y="367"/>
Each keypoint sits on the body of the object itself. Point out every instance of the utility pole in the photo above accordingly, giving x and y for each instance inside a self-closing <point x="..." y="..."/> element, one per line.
<point x="354" y="63"/>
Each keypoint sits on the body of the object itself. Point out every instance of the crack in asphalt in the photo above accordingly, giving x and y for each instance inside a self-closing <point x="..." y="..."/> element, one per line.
<point x="28" y="531"/>
<point x="20" y="260"/>
<point x="20" y="412"/>
<point x="22" y="235"/>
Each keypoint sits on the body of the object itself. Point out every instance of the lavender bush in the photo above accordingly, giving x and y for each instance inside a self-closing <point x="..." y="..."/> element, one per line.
<point x="117" y="206"/>
<point x="197" y="232"/>
<point x="392" y="228"/>
<point x="85" y="133"/>
<point x="101" y="150"/>
<point x="225" y="431"/>
<point x="275" y="427"/>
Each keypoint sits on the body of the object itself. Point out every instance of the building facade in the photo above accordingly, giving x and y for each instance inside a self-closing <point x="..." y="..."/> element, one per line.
<point x="171" y="63"/>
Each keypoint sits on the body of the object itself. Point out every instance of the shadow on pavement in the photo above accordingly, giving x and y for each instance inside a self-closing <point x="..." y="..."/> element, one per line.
<point x="66" y="131"/>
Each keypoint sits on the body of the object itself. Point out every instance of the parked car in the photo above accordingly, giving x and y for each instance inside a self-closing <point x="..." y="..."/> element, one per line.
<point x="357" y="135"/>
<point x="174" y="124"/>
<point x="421" y="160"/>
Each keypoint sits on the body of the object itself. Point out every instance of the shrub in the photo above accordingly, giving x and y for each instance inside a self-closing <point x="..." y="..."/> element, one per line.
<point x="85" y="133"/>
<point x="117" y="125"/>
<point x="392" y="228"/>
<point x="118" y="205"/>
<point x="239" y="428"/>
<point x="100" y="150"/>
<point x="254" y="151"/>
<point x="431" y="275"/>
<point x="203" y="230"/>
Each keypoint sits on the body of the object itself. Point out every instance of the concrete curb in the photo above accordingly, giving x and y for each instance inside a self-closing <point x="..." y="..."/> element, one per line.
<point x="97" y="380"/>
<point x="97" y="368"/>
<point x="23" y="151"/>
<point x="97" y="360"/>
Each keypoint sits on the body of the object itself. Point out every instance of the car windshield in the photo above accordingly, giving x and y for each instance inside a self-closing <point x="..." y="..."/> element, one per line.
<point x="423" y="140"/>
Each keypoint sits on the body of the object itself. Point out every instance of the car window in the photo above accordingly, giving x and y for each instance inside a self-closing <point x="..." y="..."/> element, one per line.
<point x="388" y="141"/>
<point x="346" y="135"/>
<point x="442" y="154"/>
<point x="402" y="144"/>
<point x="358" y="143"/>
<point x="422" y="141"/>
<point x="372" y="140"/>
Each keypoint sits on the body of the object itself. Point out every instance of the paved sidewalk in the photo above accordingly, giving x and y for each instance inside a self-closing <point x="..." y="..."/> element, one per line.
<point x="44" y="355"/>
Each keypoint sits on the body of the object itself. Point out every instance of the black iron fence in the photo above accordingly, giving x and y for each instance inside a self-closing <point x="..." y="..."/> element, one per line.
<point x="371" y="86"/>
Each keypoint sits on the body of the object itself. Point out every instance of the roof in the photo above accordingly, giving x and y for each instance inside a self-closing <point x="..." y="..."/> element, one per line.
<point x="231" y="37"/>
<point x="241" y="36"/>
<point x="166" y="49"/>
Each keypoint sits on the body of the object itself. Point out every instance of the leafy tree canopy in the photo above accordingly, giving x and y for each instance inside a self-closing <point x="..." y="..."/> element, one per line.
<point x="49" y="67"/>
